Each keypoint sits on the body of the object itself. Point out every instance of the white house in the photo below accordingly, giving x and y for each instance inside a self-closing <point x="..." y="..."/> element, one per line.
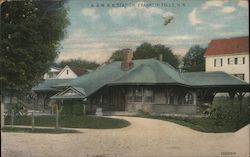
<point x="52" y="73"/>
<point x="65" y="73"/>
<point x="230" y="55"/>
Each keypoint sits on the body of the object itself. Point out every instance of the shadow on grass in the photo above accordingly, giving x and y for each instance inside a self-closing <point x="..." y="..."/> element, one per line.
<point x="71" y="121"/>
<point x="39" y="130"/>
<point x="206" y="125"/>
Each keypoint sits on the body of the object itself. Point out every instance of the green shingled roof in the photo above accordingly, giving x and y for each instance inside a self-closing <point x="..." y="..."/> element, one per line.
<point x="47" y="85"/>
<point x="148" y="71"/>
<point x="70" y="93"/>
<point x="145" y="71"/>
<point x="217" y="78"/>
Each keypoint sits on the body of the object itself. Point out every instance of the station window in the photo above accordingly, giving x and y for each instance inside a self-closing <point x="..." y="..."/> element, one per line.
<point x="149" y="96"/>
<point x="138" y="95"/>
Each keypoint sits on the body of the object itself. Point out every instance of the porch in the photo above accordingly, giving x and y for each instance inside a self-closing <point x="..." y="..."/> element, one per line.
<point x="147" y="98"/>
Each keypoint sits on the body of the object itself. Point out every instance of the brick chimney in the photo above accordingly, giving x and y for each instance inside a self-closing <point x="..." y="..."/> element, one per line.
<point x="127" y="56"/>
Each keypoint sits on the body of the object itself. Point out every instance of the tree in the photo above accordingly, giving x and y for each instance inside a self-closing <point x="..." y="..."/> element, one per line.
<point x="77" y="63"/>
<point x="117" y="55"/>
<point x="146" y="50"/>
<point x="194" y="59"/>
<point x="30" y="36"/>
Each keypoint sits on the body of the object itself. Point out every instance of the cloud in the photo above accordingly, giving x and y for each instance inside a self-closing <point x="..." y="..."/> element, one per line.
<point x="132" y="32"/>
<point x="228" y="9"/>
<point x="182" y="37"/>
<point x="214" y="3"/>
<point x="132" y="12"/>
<point x="243" y="3"/>
<point x="216" y="26"/>
<point x="231" y="34"/>
<point x="90" y="12"/>
<point x="180" y="50"/>
<point x="168" y="13"/>
<point x="136" y="11"/>
<point x="193" y="19"/>
<point x="98" y="57"/>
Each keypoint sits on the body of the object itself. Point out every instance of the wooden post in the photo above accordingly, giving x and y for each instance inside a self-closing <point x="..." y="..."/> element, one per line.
<point x="231" y="96"/>
<point x="12" y="117"/>
<point x="240" y="97"/>
<point x="32" y="122"/>
<point x="194" y="98"/>
<point x="84" y="109"/>
<point x="2" y="114"/>
<point x="57" y="117"/>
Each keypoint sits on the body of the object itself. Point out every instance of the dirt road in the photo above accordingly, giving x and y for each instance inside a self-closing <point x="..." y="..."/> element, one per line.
<point x="143" y="138"/>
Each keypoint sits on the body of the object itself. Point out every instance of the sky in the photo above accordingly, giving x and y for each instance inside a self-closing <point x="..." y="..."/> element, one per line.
<point x="100" y="27"/>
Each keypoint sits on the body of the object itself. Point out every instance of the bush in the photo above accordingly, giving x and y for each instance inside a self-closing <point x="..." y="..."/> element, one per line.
<point x="142" y="112"/>
<point x="67" y="109"/>
<point x="228" y="115"/>
<point x="72" y="108"/>
<point x="77" y="109"/>
<point x="18" y="108"/>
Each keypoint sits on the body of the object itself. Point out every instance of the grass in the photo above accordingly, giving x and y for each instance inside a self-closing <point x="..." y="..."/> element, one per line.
<point x="199" y="124"/>
<point x="229" y="117"/>
<point x="38" y="130"/>
<point x="92" y="122"/>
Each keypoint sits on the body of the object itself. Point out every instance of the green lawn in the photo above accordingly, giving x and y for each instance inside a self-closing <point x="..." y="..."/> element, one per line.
<point x="39" y="130"/>
<point x="200" y="124"/>
<point x="92" y="122"/>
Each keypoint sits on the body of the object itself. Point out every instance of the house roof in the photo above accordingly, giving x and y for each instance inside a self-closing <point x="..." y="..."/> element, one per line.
<point x="47" y="85"/>
<point x="149" y="72"/>
<point x="55" y="69"/>
<point x="70" y="93"/>
<point x="228" y="46"/>
<point x="79" y="71"/>
<point x="217" y="78"/>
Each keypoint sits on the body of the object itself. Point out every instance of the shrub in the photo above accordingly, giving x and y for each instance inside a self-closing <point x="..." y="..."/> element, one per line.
<point x="77" y="109"/>
<point x="72" y="108"/>
<point x="142" y="112"/>
<point x="18" y="108"/>
<point x="228" y="115"/>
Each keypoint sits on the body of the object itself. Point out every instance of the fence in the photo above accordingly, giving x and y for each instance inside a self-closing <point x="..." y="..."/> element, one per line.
<point x="14" y="119"/>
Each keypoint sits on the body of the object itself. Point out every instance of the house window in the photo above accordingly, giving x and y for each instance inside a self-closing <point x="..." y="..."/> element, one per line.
<point x="235" y="60"/>
<point x="230" y="61"/>
<point x="218" y="62"/>
<point x="241" y="60"/>
<point x="67" y="72"/>
<point x="241" y="76"/>
<point x="148" y="95"/>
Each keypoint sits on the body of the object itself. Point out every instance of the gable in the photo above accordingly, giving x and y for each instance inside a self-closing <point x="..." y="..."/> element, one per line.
<point x="70" y="93"/>
<point x="66" y="73"/>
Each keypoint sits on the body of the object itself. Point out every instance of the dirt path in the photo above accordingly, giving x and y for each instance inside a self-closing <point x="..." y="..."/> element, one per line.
<point x="143" y="138"/>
